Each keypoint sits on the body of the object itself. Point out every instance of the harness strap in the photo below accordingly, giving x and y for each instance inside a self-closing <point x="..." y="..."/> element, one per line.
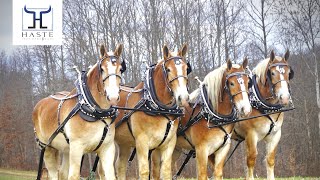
<point x="188" y="140"/>
<point x="169" y="124"/>
<point x="40" y="163"/>
<point x="168" y="127"/>
<point x="61" y="126"/>
<point x="232" y="152"/>
<point x="94" y="168"/>
<point x="133" y="153"/>
<point x="105" y="131"/>
<point x="54" y="134"/>
<point x="240" y="139"/>
<point x="192" y="153"/>
<point x="272" y="125"/>
<point x="225" y="139"/>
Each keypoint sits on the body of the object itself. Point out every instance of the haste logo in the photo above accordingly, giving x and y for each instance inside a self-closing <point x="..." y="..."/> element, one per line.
<point x="37" y="22"/>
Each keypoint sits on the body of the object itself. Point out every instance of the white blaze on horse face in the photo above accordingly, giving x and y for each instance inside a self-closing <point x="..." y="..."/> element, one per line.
<point x="182" y="90"/>
<point x="283" y="93"/>
<point x="112" y="87"/>
<point x="243" y="105"/>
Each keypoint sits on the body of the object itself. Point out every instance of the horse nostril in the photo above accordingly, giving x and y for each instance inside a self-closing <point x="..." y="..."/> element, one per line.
<point x="118" y="98"/>
<point x="280" y="97"/>
<point x="179" y="98"/>
<point x="242" y="109"/>
<point x="188" y="98"/>
<point x="108" y="98"/>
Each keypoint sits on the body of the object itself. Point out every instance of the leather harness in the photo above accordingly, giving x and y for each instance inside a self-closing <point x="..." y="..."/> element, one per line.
<point x="88" y="110"/>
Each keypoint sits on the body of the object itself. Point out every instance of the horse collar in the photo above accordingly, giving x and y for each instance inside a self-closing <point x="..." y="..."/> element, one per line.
<point x="152" y="102"/>
<point x="89" y="109"/>
<point x="210" y="115"/>
<point x="258" y="102"/>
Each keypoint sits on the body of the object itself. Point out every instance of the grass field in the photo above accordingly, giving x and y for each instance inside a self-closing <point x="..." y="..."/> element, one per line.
<point x="6" y="174"/>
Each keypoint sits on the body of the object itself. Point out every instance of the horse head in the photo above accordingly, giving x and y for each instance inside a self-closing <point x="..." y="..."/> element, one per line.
<point x="278" y="75"/>
<point x="110" y="68"/>
<point x="237" y="83"/>
<point x="176" y="69"/>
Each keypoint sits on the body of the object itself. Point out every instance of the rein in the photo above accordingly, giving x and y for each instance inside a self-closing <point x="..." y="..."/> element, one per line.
<point x="263" y="106"/>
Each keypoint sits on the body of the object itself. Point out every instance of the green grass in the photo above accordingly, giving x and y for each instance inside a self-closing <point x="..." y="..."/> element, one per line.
<point x="9" y="174"/>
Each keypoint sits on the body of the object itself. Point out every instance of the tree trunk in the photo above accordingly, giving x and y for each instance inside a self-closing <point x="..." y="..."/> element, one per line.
<point x="317" y="87"/>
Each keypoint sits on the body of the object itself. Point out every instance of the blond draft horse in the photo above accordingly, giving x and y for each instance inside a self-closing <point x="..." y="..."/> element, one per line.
<point x="227" y="90"/>
<point x="272" y="77"/>
<point x="103" y="82"/>
<point x="146" y="130"/>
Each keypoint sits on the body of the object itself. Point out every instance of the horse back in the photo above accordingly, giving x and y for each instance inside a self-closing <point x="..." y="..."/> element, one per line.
<point x="45" y="115"/>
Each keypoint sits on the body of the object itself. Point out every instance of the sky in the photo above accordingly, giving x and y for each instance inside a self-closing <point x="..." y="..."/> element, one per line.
<point x="6" y="25"/>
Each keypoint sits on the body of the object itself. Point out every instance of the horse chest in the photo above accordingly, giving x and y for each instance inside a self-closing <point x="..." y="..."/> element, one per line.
<point x="89" y="134"/>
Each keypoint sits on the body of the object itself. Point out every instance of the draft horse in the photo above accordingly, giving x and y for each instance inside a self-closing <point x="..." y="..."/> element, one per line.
<point x="271" y="92"/>
<point x="223" y="92"/>
<point x="81" y="121"/>
<point x="153" y="119"/>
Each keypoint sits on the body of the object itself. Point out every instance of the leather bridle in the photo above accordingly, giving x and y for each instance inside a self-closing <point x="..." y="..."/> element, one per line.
<point x="240" y="81"/>
<point x="269" y="79"/>
<point x="113" y="59"/>
<point x="177" y="60"/>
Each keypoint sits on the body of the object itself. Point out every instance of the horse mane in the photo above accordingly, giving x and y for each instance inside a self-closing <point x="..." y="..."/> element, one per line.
<point x="92" y="69"/>
<point x="213" y="83"/>
<point x="261" y="68"/>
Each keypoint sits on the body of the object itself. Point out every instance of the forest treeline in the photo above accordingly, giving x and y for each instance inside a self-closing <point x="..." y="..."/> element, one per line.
<point x="214" y="30"/>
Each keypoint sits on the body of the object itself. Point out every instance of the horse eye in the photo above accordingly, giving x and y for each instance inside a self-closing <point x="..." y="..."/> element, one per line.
<point x="168" y="70"/>
<point x="272" y="74"/>
<point x="231" y="84"/>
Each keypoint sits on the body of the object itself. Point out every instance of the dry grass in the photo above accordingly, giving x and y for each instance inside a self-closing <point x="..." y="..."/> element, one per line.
<point x="9" y="174"/>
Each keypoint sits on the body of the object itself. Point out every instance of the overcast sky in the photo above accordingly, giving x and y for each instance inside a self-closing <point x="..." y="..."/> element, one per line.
<point x="5" y="24"/>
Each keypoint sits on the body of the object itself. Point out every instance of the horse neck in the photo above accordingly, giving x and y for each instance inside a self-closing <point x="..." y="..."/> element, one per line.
<point x="96" y="89"/>
<point x="161" y="90"/>
<point x="224" y="107"/>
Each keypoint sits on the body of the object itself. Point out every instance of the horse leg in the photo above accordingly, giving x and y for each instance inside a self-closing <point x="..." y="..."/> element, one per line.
<point x="220" y="157"/>
<point x="75" y="156"/>
<point x="252" y="152"/>
<point x="166" y="158"/>
<point x="64" y="169"/>
<point x="124" y="153"/>
<point x="51" y="158"/>
<point x="106" y="154"/>
<point x="142" y="155"/>
<point x="271" y="148"/>
<point x="156" y="163"/>
<point x="202" y="162"/>
<point x="175" y="156"/>
<point x="211" y="160"/>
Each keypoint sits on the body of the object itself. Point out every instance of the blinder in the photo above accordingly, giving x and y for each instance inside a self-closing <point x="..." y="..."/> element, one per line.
<point x="189" y="68"/>
<point x="291" y="73"/>
<point x="250" y="82"/>
<point x="123" y="66"/>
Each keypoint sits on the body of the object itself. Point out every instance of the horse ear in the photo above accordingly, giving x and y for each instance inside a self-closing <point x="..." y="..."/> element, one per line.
<point x="229" y="63"/>
<point x="184" y="50"/>
<point x="245" y="63"/>
<point x="286" y="56"/>
<point x="272" y="56"/>
<point x="102" y="50"/>
<point x="165" y="52"/>
<point x="118" y="50"/>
